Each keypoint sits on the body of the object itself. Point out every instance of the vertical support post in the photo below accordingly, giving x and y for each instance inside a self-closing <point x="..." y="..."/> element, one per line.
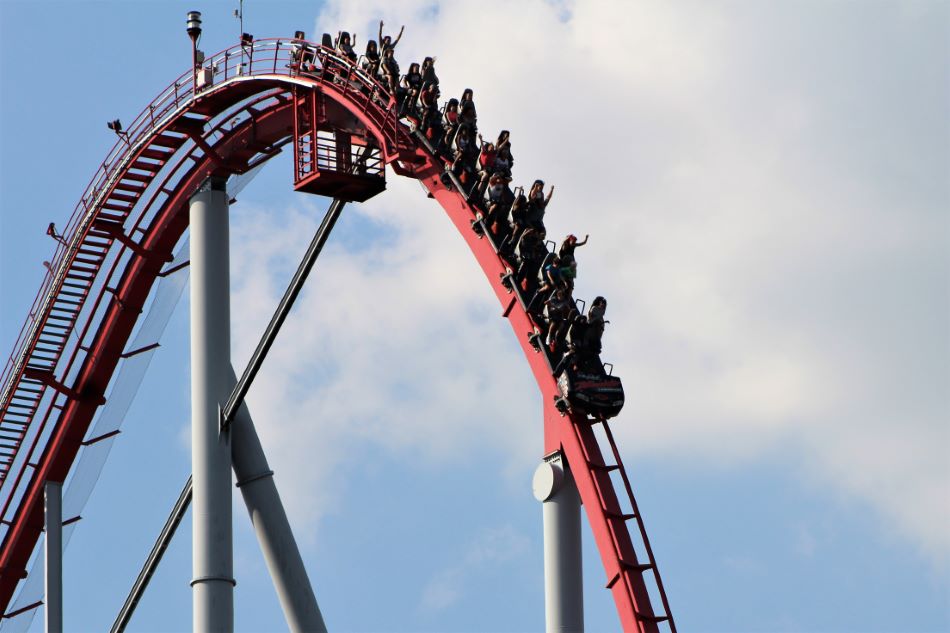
<point x="554" y="485"/>
<point x="256" y="482"/>
<point x="212" y="555"/>
<point x="54" y="556"/>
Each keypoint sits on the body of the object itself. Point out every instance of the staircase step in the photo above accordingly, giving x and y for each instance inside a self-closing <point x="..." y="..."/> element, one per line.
<point x="167" y="140"/>
<point x="155" y="154"/>
<point x="127" y="186"/>
<point x="123" y="198"/>
<point x="142" y="165"/>
<point x="138" y="177"/>
<point x="116" y="207"/>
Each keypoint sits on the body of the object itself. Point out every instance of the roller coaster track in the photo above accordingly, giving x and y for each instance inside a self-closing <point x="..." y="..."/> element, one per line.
<point x="122" y="234"/>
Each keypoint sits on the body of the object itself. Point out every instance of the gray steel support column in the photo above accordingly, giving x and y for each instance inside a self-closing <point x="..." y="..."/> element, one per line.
<point x="255" y="479"/>
<point x="554" y="485"/>
<point x="54" y="557"/>
<point x="212" y="553"/>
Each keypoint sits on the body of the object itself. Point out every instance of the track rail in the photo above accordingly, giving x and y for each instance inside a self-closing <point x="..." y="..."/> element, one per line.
<point x="123" y="231"/>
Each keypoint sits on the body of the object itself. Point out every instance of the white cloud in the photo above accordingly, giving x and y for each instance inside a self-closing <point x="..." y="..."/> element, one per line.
<point x="767" y="219"/>
<point x="490" y="548"/>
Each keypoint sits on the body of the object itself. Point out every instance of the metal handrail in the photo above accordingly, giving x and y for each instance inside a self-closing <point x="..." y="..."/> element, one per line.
<point x="171" y="100"/>
<point x="31" y="453"/>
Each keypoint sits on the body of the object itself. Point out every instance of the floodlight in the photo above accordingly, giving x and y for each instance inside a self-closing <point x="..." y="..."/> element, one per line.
<point x="247" y="39"/>
<point x="115" y="126"/>
<point x="194" y="24"/>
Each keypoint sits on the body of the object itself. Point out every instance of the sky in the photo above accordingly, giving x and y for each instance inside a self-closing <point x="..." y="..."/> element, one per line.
<point x="766" y="189"/>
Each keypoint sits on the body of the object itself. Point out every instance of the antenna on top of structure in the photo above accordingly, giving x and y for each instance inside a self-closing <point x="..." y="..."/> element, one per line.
<point x="239" y="14"/>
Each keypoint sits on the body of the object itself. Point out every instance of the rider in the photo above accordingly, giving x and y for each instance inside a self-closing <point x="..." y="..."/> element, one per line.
<point x="412" y="84"/>
<point x="537" y="204"/>
<point x="559" y="311"/>
<point x="503" y="160"/>
<point x="596" y="323"/>
<point x="569" y="244"/>
<point x="387" y="41"/>
<point x="486" y="165"/>
<point x="345" y="46"/>
<point x="428" y="72"/>
<point x="372" y="59"/>
<point x="390" y="69"/>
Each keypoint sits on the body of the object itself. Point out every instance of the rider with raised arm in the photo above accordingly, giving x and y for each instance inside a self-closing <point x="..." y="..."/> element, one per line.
<point x="569" y="244"/>
<point x="387" y="41"/>
<point x="568" y="262"/>
<point x="537" y="203"/>
<point x="344" y="45"/>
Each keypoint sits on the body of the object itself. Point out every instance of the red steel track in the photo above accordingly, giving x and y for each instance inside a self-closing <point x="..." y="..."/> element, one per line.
<point x="126" y="226"/>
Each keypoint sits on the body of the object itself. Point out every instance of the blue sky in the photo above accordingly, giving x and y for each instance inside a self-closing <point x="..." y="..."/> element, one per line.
<point x="765" y="185"/>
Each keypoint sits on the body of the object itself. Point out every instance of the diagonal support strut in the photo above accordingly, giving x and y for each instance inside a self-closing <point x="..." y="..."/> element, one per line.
<point x="283" y="309"/>
<point x="252" y="453"/>
<point x="154" y="558"/>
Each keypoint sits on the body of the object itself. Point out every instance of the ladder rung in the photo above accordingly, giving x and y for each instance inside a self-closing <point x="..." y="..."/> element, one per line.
<point x="604" y="467"/>
<point x="638" y="567"/>
<point x="656" y="619"/>
<point x="613" y="514"/>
